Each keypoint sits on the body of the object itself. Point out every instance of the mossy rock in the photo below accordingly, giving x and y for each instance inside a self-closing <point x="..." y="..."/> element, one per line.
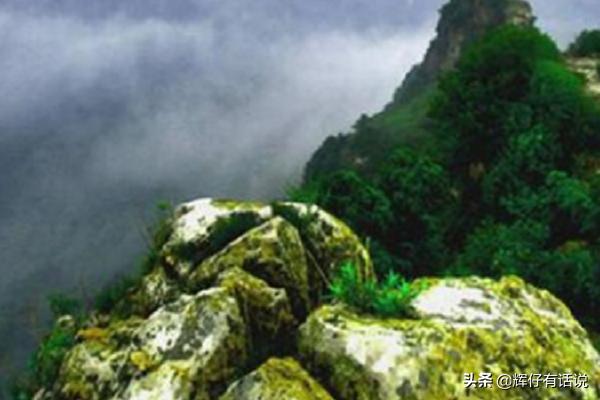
<point x="277" y="379"/>
<point x="200" y="339"/>
<point x="227" y="292"/>
<point x="328" y="240"/>
<point x="266" y="310"/>
<point x="295" y="246"/>
<point x="202" y="227"/>
<point x="272" y="252"/>
<point x="154" y="290"/>
<point x="461" y="326"/>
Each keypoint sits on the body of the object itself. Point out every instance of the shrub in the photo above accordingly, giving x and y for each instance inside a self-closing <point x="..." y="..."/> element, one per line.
<point x="47" y="360"/>
<point x="61" y="304"/>
<point x="44" y="365"/>
<point x="391" y="298"/>
<point x="587" y="44"/>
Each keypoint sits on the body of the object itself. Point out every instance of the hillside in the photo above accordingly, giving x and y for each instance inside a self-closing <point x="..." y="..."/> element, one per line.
<point x="404" y="120"/>
<point x="490" y="170"/>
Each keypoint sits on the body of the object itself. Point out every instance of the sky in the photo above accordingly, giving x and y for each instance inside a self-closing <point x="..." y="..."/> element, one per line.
<point x="107" y="107"/>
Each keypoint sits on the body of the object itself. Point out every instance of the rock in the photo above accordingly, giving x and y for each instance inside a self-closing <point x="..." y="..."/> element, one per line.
<point x="267" y="310"/>
<point x="462" y="326"/>
<point x="200" y="339"/>
<point x="461" y="23"/>
<point x="589" y="68"/>
<point x="91" y="371"/>
<point x="277" y="379"/>
<point x="155" y="290"/>
<point x="329" y="242"/>
<point x="230" y="287"/>
<point x="170" y="381"/>
<point x="273" y="252"/>
<point x="204" y="226"/>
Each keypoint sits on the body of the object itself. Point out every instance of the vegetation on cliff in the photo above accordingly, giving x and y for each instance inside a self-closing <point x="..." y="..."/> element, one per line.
<point x="507" y="184"/>
<point x="587" y="44"/>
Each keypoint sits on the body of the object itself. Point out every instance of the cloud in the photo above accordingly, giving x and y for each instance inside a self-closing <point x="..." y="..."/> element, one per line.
<point x="101" y="118"/>
<point x="109" y="106"/>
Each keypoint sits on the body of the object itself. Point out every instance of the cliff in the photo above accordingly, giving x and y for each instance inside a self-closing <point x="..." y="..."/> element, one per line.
<point x="404" y="119"/>
<point x="461" y="22"/>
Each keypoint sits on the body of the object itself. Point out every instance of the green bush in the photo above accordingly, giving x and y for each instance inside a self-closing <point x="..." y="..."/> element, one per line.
<point x="49" y="356"/>
<point x="587" y="44"/>
<point x="480" y="103"/>
<point x="391" y="298"/>
<point x="44" y="365"/>
<point x="61" y="304"/>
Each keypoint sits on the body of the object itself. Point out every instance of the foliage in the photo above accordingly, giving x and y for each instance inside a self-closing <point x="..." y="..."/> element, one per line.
<point x="159" y="233"/>
<point x="391" y="298"/>
<point x="48" y="359"/>
<point x="587" y="44"/>
<point x="45" y="363"/>
<point x="508" y="182"/>
<point x="495" y="72"/>
<point x="61" y="304"/>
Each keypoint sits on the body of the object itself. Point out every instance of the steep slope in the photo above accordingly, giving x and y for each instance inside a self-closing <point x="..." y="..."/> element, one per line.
<point x="404" y="119"/>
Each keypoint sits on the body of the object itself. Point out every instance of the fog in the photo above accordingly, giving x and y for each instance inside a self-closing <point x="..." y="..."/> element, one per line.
<point x="108" y="107"/>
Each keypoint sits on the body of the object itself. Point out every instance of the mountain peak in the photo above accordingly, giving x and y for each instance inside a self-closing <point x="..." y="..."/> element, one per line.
<point x="461" y="22"/>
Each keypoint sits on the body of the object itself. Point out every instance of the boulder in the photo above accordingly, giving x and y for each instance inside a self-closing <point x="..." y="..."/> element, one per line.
<point x="273" y="251"/>
<point x="267" y="310"/>
<point x="277" y="379"/>
<point x="329" y="241"/>
<point x="198" y="339"/>
<point x="204" y="226"/>
<point x="461" y="326"/>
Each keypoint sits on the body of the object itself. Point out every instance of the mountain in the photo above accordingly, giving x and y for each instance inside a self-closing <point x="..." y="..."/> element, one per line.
<point x="403" y="121"/>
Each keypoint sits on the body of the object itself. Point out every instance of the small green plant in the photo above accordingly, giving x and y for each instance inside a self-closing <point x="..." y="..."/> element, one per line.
<point x="61" y="304"/>
<point x="158" y="234"/>
<point x="46" y="363"/>
<point x="390" y="298"/>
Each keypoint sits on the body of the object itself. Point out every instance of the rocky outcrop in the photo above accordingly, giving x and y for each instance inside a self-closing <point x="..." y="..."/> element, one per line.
<point x="232" y="311"/>
<point x="231" y="285"/>
<point x="460" y="326"/>
<point x="277" y="379"/>
<point x="589" y="69"/>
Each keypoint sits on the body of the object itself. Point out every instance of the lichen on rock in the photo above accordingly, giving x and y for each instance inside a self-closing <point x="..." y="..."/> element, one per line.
<point x="277" y="379"/>
<point x="272" y="251"/>
<point x="202" y="226"/>
<point x="463" y="326"/>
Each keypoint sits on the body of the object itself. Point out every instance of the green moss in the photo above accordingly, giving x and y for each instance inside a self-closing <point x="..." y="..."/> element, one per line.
<point x="430" y="356"/>
<point x="221" y="233"/>
<point x="272" y="252"/>
<point x="266" y="310"/>
<point x="277" y="379"/>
